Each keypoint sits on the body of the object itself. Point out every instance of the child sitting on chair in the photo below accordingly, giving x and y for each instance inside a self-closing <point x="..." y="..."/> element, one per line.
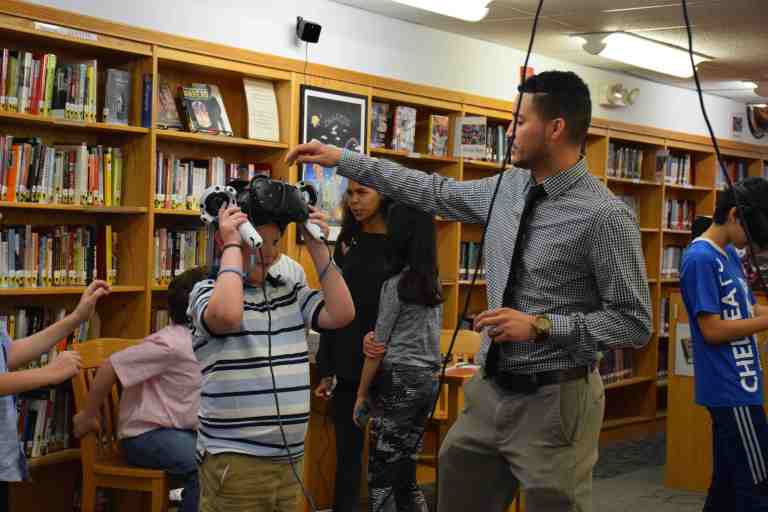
<point x="250" y="339"/>
<point x="14" y="354"/>
<point x="161" y="396"/>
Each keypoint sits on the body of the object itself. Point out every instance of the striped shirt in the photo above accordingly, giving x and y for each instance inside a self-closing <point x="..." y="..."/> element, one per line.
<point x="583" y="263"/>
<point x="237" y="402"/>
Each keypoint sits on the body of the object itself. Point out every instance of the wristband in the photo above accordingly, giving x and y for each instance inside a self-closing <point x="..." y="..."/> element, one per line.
<point x="233" y="270"/>
<point x="232" y="244"/>
<point x="325" y="270"/>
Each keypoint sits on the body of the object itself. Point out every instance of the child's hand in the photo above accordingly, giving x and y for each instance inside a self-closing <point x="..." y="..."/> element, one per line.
<point x="64" y="366"/>
<point x="229" y="220"/>
<point x="320" y="218"/>
<point x="373" y="349"/>
<point x="95" y="291"/>
<point x="325" y="388"/>
<point x="83" y="424"/>
<point x="360" y="412"/>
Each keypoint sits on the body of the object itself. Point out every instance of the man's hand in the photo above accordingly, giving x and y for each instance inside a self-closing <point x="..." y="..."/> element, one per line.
<point x="314" y="153"/>
<point x="372" y="348"/>
<point x="506" y="324"/>
<point x="325" y="389"/>
<point x="64" y="366"/>
<point x="83" y="424"/>
<point x="95" y="291"/>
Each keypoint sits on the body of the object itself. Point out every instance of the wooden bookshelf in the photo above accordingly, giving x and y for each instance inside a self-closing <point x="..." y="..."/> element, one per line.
<point x="632" y="405"/>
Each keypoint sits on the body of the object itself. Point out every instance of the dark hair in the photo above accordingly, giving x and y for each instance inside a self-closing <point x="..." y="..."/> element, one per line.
<point x="562" y="94"/>
<point x="179" y="290"/>
<point x="350" y="226"/>
<point x="414" y="253"/>
<point x="752" y="195"/>
<point x="753" y="192"/>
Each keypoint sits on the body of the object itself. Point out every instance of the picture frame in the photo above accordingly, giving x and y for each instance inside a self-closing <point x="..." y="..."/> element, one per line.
<point x="737" y="125"/>
<point x="339" y="119"/>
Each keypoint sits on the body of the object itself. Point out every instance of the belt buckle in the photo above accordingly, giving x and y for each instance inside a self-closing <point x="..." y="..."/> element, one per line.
<point x="531" y="385"/>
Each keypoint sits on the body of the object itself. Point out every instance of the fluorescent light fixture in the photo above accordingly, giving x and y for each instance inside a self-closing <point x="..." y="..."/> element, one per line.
<point x="750" y="85"/>
<point x="642" y="52"/>
<point x="467" y="10"/>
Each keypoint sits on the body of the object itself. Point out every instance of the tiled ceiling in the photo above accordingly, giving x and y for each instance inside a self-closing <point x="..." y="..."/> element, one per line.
<point x="734" y="32"/>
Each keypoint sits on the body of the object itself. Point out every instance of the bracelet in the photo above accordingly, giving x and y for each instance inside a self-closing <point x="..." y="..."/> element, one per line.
<point x="233" y="270"/>
<point x="325" y="270"/>
<point x="232" y="244"/>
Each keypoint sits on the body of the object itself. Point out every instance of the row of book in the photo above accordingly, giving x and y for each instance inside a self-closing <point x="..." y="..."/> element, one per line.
<point x="469" y="258"/>
<point x="178" y="251"/>
<point x="46" y="256"/>
<point x="44" y="420"/>
<point x="736" y="169"/>
<point x="633" y="202"/>
<point x="475" y="138"/>
<point x="671" y="259"/>
<point x="678" y="214"/>
<point x="179" y="183"/>
<point x="201" y="105"/>
<point x="616" y="364"/>
<point x="624" y="161"/>
<point x="677" y="169"/>
<point x="664" y="317"/>
<point x="32" y="171"/>
<point x="20" y="322"/>
<point x="160" y="319"/>
<point x="45" y="84"/>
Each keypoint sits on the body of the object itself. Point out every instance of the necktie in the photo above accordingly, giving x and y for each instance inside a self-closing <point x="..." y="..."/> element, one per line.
<point x="535" y="194"/>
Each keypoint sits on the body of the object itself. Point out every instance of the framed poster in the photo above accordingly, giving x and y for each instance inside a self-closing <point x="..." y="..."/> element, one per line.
<point x="339" y="119"/>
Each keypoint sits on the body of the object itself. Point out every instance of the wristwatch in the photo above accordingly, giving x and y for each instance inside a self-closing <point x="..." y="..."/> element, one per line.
<point x="542" y="326"/>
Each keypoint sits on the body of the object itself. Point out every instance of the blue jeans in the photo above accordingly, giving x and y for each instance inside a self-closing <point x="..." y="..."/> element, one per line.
<point x="740" y="460"/>
<point x="173" y="451"/>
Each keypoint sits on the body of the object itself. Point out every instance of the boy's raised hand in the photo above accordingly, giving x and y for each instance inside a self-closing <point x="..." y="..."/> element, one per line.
<point x="64" y="366"/>
<point x="87" y="305"/>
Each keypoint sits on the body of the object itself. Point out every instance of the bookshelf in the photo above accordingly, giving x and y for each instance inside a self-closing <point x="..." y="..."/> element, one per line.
<point x="636" y="405"/>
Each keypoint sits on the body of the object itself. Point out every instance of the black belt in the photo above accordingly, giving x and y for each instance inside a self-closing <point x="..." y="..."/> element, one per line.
<point x="522" y="383"/>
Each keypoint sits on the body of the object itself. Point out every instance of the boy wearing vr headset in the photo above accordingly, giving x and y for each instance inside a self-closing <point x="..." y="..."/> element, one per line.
<point x="724" y="319"/>
<point x="250" y="338"/>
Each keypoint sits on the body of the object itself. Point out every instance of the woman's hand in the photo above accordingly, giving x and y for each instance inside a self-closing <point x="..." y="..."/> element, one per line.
<point x="372" y="348"/>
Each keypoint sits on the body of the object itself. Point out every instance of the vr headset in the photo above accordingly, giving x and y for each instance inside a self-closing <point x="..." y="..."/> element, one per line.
<point x="264" y="201"/>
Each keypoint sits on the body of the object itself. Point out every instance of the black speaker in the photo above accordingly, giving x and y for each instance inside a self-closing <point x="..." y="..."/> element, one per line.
<point x="307" y="31"/>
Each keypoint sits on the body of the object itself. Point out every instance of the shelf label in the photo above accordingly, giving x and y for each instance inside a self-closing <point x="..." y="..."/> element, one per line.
<point x="64" y="31"/>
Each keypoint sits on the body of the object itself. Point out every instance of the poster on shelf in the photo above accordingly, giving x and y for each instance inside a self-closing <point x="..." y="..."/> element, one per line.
<point x="683" y="350"/>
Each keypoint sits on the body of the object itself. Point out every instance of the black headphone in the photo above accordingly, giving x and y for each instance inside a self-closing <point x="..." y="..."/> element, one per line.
<point x="755" y="219"/>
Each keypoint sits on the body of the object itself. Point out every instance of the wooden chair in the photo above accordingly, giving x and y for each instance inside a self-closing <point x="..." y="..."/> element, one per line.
<point x="102" y="461"/>
<point x="464" y="349"/>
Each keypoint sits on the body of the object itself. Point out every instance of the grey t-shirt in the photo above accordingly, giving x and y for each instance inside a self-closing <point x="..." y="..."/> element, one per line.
<point x="410" y="331"/>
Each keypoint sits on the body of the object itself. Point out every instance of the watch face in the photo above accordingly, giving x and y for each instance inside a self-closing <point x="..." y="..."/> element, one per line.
<point x="543" y="324"/>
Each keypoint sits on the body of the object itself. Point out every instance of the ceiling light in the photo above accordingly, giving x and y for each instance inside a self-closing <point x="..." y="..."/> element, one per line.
<point x="749" y="85"/>
<point x="641" y="52"/>
<point x="467" y="10"/>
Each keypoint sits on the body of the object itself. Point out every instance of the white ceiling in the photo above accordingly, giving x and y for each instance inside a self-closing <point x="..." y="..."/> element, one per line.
<point x="734" y="32"/>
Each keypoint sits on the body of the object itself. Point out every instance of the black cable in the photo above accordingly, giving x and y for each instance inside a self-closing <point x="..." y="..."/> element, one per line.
<point x="274" y="388"/>
<point x="500" y="173"/>
<point x="752" y="254"/>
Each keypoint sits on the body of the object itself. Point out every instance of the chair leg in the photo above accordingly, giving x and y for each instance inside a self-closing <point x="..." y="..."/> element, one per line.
<point x="88" y="494"/>
<point x="160" y="495"/>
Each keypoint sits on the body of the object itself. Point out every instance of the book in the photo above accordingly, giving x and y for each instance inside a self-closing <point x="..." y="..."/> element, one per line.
<point x="473" y="137"/>
<point x="438" y="135"/>
<point x="263" y="119"/>
<point x="204" y="109"/>
<point x="146" y="104"/>
<point x="380" y="119"/>
<point x="167" y="115"/>
<point x="404" y="129"/>
<point x="117" y="97"/>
